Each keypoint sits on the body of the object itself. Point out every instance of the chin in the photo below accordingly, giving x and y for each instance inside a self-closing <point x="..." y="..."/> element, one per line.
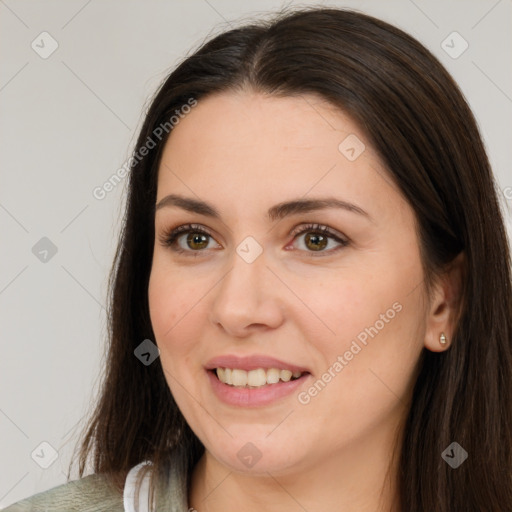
<point x="258" y="454"/>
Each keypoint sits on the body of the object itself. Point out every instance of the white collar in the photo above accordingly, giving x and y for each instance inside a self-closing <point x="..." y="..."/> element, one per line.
<point x="130" y="490"/>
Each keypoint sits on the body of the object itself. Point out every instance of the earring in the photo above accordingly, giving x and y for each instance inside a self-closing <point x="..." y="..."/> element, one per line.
<point x="442" y="339"/>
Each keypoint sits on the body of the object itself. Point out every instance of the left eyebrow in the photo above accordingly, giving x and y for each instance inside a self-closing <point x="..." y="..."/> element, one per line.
<point x="276" y="212"/>
<point x="281" y="210"/>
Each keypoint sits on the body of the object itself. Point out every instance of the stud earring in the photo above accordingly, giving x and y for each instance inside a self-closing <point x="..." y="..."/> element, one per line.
<point x="442" y="339"/>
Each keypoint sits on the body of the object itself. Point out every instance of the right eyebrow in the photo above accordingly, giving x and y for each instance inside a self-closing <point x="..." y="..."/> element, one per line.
<point x="189" y="204"/>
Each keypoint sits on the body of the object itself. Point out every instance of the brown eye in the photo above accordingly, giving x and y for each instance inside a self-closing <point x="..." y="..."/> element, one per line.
<point x="197" y="241"/>
<point x="317" y="238"/>
<point x="315" y="241"/>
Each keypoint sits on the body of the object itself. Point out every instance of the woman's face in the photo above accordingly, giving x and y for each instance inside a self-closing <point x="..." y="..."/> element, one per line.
<point x="346" y="308"/>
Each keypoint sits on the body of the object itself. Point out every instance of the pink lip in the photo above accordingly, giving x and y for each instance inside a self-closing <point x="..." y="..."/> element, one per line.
<point x="252" y="363"/>
<point x="253" y="397"/>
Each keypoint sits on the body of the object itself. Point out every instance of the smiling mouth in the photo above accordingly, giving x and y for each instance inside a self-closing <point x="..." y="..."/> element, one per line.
<point x="258" y="378"/>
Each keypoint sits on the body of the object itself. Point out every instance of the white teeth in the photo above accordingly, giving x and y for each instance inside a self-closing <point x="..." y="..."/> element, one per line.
<point x="254" y="378"/>
<point x="286" y="375"/>
<point x="273" y="376"/>
<point x="257" y="377"/>
<point x="239" y="377"/>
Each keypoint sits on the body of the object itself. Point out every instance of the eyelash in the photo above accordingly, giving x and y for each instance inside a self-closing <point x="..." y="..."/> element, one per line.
<point x="169" y="237"/>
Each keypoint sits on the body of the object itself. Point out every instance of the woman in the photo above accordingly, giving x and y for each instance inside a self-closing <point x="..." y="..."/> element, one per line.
<point x="311" y="298"/>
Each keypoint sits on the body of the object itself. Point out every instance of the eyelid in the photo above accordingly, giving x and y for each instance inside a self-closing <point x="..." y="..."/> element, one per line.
<point x="169" y="237"/>
<point x="322" y="228"/>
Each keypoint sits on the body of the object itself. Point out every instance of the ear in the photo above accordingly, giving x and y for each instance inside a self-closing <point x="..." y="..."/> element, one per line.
<point x="445" y="305"/>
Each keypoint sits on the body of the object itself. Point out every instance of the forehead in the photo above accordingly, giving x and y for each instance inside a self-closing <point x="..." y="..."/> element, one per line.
<point x="255" y="148"/>
<point x="244" y="120"/>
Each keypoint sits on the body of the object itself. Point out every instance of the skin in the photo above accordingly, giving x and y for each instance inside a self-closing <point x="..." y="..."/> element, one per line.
<point x="245" y="152"/>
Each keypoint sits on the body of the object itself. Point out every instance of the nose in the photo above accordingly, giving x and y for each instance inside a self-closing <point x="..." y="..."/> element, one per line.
<point x="247" y="298"/>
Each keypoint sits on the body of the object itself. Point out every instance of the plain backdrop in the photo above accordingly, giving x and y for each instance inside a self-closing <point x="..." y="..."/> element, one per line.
<point x="69" y="120"/>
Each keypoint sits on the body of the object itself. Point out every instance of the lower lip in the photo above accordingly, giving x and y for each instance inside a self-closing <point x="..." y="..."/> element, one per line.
<point x="254" y="397"/>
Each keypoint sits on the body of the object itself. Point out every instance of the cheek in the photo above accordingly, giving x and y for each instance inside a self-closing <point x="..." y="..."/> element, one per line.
<point x="343" y="305"/>
<point x="372" y="319"/>
<point x="172" y="303"/>
<point x="173" y="307"/>
<point x="367" y="367"/>
<point x="177" y="316"/>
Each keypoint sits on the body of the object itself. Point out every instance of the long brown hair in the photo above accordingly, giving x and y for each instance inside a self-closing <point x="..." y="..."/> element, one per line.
<point x="419" y="123"/>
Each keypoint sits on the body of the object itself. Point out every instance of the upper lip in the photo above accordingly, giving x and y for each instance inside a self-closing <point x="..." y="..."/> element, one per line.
<point x="252" y="363"/>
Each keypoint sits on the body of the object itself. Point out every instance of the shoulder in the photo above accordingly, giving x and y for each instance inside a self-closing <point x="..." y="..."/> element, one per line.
<point x="92" y="493"/>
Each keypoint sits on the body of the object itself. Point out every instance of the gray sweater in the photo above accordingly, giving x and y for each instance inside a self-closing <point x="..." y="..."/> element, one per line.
<point x="93" y="494"/>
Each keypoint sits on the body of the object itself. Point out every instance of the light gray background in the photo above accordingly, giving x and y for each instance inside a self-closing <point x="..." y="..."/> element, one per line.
<point x="68" y="123"/>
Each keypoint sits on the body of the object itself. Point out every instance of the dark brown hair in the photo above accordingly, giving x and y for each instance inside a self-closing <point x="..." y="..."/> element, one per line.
<point x="417" y="120"/>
